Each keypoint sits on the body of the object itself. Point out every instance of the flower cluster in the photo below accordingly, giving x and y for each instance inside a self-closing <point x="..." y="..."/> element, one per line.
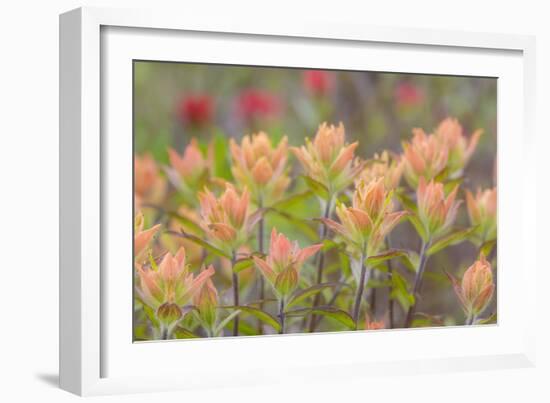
<point x="201" y="268"/>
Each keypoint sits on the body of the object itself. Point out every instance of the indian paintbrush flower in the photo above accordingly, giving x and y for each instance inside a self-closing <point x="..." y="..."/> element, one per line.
<point x="259" y="166"/>
<point x="282" y="265"/>
<point x="442" y="155"/>
<point x="168" y="287"/>
<point x="407" y="94"/>
<point x="142" y="237"/>
<point x="149" y="186"/>
<point x="206" y="301"/>
<point x="188" y="171"/>
<point x="476" y="289"/>
<point x="196" y="109"/>
<point x="318" y="82"/>
<point x="370" y="218"/>
<point x="482" y="210"/>
<point x="460" y="149"/>
<point x="328" y="159"/>
<point x="226" y="219"/>
<point x="425" y="157"/>
<point x="254" y="104"/>
<point x="374" y="325"/>
<point x="390" y="168"/>
<point x="436" y="211"/>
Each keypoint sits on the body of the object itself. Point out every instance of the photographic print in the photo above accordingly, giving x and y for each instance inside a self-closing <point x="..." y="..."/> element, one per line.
<point x="273" y="200"/>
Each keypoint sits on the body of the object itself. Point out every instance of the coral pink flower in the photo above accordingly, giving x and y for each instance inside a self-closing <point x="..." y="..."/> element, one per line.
<point x="482" y="210"/>
<point x="187" y="171"/>
<point x="374" y="325"/>
<point x="366" y="223"/>
<point x="282" y="266"/>
<point x="477" y="288"/>
<point x="170" y="286"/>
<point x="142" y="237"/>
<point x="226" y="219"/>
<point x="149" y="186"/>
<point x="437" y="213"/>
<point x="196" y="109"/>
<point x="318" y="82"/>
<point x="425" y="156"/>
<point x="460" y="149"/>
<point x="206" y="301"/>
<point x="328" y="159"/>
<point x="408" y="94"/>
<point x="383" y="166"/>
<point x="259" y="166"/>
<point x="253" y="104"/>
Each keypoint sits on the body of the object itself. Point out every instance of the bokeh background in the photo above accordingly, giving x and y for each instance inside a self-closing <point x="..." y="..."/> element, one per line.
<point x="174" y="102"/>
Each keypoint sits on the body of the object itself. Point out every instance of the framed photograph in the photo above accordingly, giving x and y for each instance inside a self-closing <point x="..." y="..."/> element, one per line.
<point x="244" y="203"/>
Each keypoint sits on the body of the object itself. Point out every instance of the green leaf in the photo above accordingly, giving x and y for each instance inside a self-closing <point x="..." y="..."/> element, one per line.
<point x="406" y="201"/>
<point x="373" y="261"/>
<point x="417" y="224"/>
<point x="328" y="311"/>
<point x="292" y="200"/>
<point x="316" y="187"/>
<point x="491" y="319"/>
<point x="259" y="314"/>
<point x="442" y="175"/>
<point x="190" y="224"/>
<point x="400" y="292"/>
<point x="487" y="247"/>
<point x="182" y="333"/>
<point x="193" y="238"/>
<point x="150" y="313"/>
<point x="299" y="223"/>
<point x="451" y="239"/>
<point x="224" y="322"/>
<point x="243" y="264"/>
<point x="311" y="291"/>
<point x="222" y="167"/>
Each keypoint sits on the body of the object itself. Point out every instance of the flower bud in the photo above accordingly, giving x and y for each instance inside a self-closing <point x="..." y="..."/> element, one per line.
<point x="286" y="281"/>
<point x="477" y="286"/>
<point x="482" y="210"/>
<point x="206" y="301"/>
<point x="169" y="314"/>
<point x="436" y="212"/>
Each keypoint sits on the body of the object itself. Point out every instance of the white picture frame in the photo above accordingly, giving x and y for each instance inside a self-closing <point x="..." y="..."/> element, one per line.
<point x="97" y="355"/>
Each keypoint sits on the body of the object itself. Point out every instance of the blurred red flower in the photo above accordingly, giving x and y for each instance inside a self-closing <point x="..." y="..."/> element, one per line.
<point x="254" y="104"/>
<point x="196" y="109"/>
<point x="408" y="94"/>
<point x="317" y="82"/>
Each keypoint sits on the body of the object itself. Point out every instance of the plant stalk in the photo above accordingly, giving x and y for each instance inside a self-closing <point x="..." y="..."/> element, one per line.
<point x="282" y="315"/>
<point x="261" y="280"/>
<point x="236" y="302"/>
<point x="417" y="281"/>
<point x="360" y="289"/>
<point x="320" y="264"/>
<point x="391" y="302"/>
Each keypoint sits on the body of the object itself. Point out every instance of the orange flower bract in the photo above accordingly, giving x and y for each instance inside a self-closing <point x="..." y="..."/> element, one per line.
<point x="328" y="159"/>
<point x="282" y="265"/>
<point x="259" y="166"/>
<point x="436" y="211"/>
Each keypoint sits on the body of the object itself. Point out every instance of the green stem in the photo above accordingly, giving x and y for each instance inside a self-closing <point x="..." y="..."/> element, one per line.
<point x="470" y="320"/>
<point x="261" y="280"/>
<point x="282" y="315"/>
<point x="320" y="264"/>
<point x="360" y="288"/>
<point x="391" y="302"/>
<point x="164" y="333"/>
<point x="418" y="281"/>
<point x="235" y="278"/>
